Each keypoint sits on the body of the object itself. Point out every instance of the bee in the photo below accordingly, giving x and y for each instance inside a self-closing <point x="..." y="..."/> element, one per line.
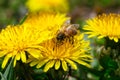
<point x="67" y="31"/>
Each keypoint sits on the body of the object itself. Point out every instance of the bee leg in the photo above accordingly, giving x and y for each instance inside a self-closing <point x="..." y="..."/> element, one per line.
<point x="71" y="39"/>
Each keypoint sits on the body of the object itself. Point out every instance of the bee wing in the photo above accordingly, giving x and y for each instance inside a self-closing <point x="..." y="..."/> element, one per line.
<point x="66" y="23"/>
<point x="76" y="26"/>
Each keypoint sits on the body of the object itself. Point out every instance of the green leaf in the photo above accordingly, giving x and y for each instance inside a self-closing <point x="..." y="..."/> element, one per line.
<point x="7" y="72"/>
<point x="106" y="62"/>
<point x="112" y="64"/>
<point x="2" y="76"/>
<point x="23" y="19"/>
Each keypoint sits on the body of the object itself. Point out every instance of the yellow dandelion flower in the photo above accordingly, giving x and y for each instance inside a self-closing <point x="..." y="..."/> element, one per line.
<point x="15" y="41"/>
<point x="46" y="21"/>
<point x="47" y="5"/>
<point x="104" y="26"/>
<point x="54" y="55"/>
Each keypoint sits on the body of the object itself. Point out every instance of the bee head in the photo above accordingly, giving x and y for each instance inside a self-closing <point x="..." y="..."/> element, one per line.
<point x="60" y="36"/>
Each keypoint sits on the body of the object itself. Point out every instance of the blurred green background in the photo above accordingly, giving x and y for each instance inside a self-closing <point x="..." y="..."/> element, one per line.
<point x="11" y="11"/>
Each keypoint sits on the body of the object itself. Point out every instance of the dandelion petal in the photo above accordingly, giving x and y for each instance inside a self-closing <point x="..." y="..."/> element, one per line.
<point x="41" y="63"/>
<point x="2" y="53"/>
<point x="5" y="61"/>
<point x="23" y="56"/>
<point x="57" y="64"/>
<point x="18" y="56"/>
<point x="49" y="65"/>
<point x="33" y="63"/>
<point x="71" y="63"/>
<point x="116" y="39"/>
<point x="35" y="53"/>
<point x="64" y="65"/>
<point x="14" y="64"/>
